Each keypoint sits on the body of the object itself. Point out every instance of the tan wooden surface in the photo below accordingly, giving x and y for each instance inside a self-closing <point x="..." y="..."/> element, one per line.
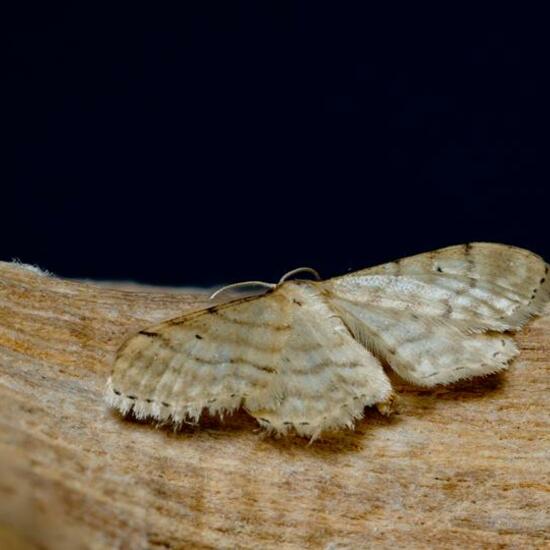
<point x="460" y="467"/>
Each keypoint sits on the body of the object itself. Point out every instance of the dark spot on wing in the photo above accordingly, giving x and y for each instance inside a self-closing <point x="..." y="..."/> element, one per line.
<point x="198" y="336"/>
<point x="149" y="333"/>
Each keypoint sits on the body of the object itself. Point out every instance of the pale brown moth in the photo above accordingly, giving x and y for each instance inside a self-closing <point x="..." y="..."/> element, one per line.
<point x="306" y="356"/>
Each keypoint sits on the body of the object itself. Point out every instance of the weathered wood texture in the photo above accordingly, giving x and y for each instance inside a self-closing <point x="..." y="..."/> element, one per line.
<point x="460" y="467"/>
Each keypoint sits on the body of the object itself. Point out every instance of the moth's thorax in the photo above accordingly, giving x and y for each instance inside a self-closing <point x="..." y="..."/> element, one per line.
<point x="301" y="289"/>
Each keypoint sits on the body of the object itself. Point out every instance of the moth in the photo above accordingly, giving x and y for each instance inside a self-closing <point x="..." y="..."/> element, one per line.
<point x="308" y="356"/>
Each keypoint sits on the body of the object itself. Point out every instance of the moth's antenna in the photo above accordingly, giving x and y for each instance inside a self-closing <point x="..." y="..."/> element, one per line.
<point x="300" y="270"/>
<point x="267" y="285"/>
<point x="244" y="283"/>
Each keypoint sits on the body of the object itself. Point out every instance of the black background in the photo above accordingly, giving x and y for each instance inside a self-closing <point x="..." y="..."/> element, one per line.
<point x="239" y="140"/>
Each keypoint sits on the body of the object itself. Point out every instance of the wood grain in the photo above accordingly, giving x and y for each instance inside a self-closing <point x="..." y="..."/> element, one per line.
<point x="467" y="466"/>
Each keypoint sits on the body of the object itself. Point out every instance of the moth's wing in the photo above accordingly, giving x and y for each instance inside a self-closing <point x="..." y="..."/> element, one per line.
<point x="284" y="356"/>
<point x="214" y="359"/>
<point x="479" y="286"/>
<point x="425" y="350"/>
<point x="326" y="378"/>
<point x="425" y="315"/>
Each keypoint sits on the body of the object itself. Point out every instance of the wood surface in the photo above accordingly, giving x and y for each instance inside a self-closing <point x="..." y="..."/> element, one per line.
<point x="466" y="466"/>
